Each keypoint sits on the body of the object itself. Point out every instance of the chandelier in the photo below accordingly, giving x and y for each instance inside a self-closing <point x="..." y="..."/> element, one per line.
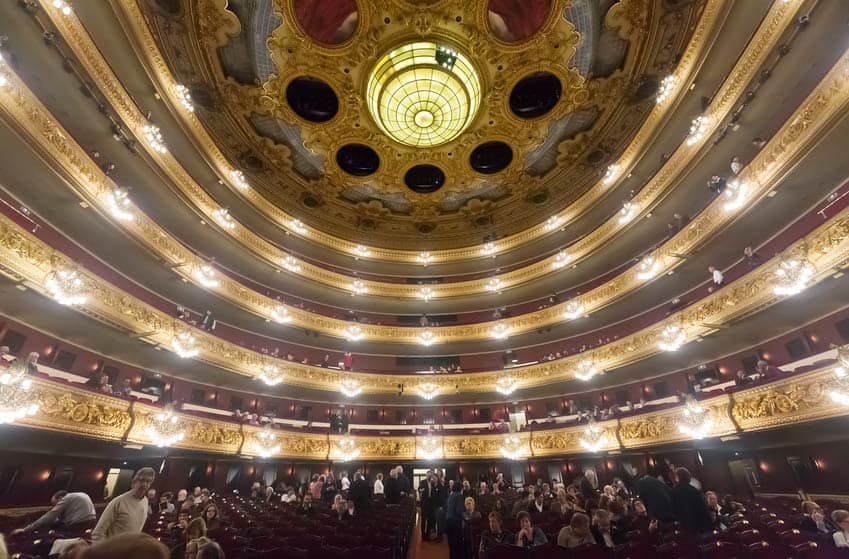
<point x="350" y="387"/>
<point x="647" y="268"/>
<point x="222" y="215"/>
<point x="270" y="374"/>
<point x="165" y="427"/>
<point x="594" y="437"/>
<point x="4" y="80"/>
<point x="62" y="6"/>
<point x="573" y="310"/>
<point x="238" y="179"/>
<point x="489" y="249"/>
<point x="154" y="138"/>
<point x="500" y="331"/>
<point x="185" y="345"/>
<point x="362" y="251"/>
<point x="553" y="223"/>
<point x="512" y="447"/>
<point x="354" y="333"/>
<point x="280" y="314"/>
<point x="15" y="398"/>
<point x="424" y="258"/>
<point x="428" y="390"/>
<point x="586" y="370"/>
<point x="672" y="338"/>
<point x="736" y="193"/>
<point x="697" y="421"/>
<point x="429" y="448"/>
<point x="698" y="129"/>
<point x="291" y="264"/>
<point x="495" y="284"/>
<point x="667" y="84"/>
<point x="561" y="260"/>
<point x="346" y="449"/>
<point x="298" y="227"/>
<point x="205" y="275"/>
<point x="426" y="293"/>
<point x="627" y="212"/>
<point x="610" y="174"/>
<point x="118" y="202"/>
<point x="426" y="338"/>
<point x="185" y="97"/>
<point x="66" y="287"/>
<point x="793" y="276"/>
<point x="506" y="385"/>
<point x="358" y="288"/>
<point x="265" y="442"/>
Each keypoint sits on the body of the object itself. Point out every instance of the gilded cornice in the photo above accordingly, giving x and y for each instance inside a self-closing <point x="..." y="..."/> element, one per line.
<point x="797" y="399"/>
<point x="148" y="49"/>
<point x="800" y="132"/>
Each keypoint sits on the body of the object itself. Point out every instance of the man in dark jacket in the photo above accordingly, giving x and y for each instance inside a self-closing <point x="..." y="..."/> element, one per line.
<point x="690" y="505"/>
<point x="454" y="522"/>
<point x="426" y="499"/>
<point x="359" y="493"/>
<point x="655" y="496"/>
<point x="392" y="490"/>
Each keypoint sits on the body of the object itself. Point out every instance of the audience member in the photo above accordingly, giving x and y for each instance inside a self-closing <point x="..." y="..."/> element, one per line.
<point x="529" y="535"/>
<point x="71" y="512"/>
<point x="716" y="275"/>
<point x="603" y="530"/>
<point x="813" y="519"/>
<point x="187" y="549"/>
<point x="378" y="484"/>
<point x="210" y="517"/>
<point x="840" y="518"/>
<point x="495" y="536"/>
<point x="655" y="497"/>
<point x="577" y="533"/>
<point x="210" y="550"/>
<point x="689" y="504"/>
<point x="126" y="513"/>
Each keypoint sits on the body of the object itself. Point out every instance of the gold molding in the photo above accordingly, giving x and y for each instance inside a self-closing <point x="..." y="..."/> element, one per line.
<point x="146" y="46"/>
<point x="803" y="129"/>
<point x="797" y="399"/>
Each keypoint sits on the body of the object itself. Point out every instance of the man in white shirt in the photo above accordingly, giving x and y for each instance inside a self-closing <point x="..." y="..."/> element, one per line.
<point x="74" y="511"/>
<point x="126" y="513"/>
<point x="378" y="485"/>
<point x="716" y="275"/>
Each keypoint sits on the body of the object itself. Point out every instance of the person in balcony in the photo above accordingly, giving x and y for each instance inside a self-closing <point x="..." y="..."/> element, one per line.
<point x="73" y="512"/>
<point x="529" y="535"/>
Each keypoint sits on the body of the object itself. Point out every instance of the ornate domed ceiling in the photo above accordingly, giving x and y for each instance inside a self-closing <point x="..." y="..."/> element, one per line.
<point x="398" y="123"/>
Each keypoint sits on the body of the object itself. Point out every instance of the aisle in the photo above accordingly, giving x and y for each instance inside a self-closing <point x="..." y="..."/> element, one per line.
<point x="426" y="550"/>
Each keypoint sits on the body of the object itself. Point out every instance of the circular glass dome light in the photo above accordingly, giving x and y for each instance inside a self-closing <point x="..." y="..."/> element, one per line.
<point x="423" y="94"/>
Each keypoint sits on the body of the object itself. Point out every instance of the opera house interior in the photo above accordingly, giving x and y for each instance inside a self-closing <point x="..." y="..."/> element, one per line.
<point x="424" y="279"/>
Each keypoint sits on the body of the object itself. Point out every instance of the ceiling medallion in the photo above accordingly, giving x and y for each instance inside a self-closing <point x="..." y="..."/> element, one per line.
<point x="422" y="94"/>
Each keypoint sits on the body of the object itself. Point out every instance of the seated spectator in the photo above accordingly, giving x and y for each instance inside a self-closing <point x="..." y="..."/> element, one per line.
<point x="813" y="520"/>
<point x="522" y="505"/>
<point x="491" y="538"/>
<point x="126" y="388"/>
<point x="730" y="506"/>
<point x="196" y="529"/>
<point x="306" y="508"/>
<point x="717" y="184"/>
<point x="105" y="387"/>
<point x="470" y="513"/>
<point x="716" y="275"/>
<point x="165" y="504"/>
<point x="742" y="379"/>
<point x="752" y="258"/>
<point x="603" y="531"/>
<point x="529" y="535"/>
<point x="340" y="509"/>
<point x="537" y="506"/>
<point x="767" y="371"/>
<point x="719" y="521"/>
<point x="577" y="533"/>
<point x="72" y="512"/>
<point x="210" y="517"/>
<point x="840" y="518"/>
<point x="127" y="546"/>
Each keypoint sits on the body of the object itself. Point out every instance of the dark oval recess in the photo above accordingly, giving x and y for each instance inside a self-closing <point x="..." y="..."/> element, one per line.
<point x="535" y="95"/>
<point x="357" y="160"/>
<point x="312" y="99"/>
<point x="424" y="179"/>
<point x="491" y="157"/>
